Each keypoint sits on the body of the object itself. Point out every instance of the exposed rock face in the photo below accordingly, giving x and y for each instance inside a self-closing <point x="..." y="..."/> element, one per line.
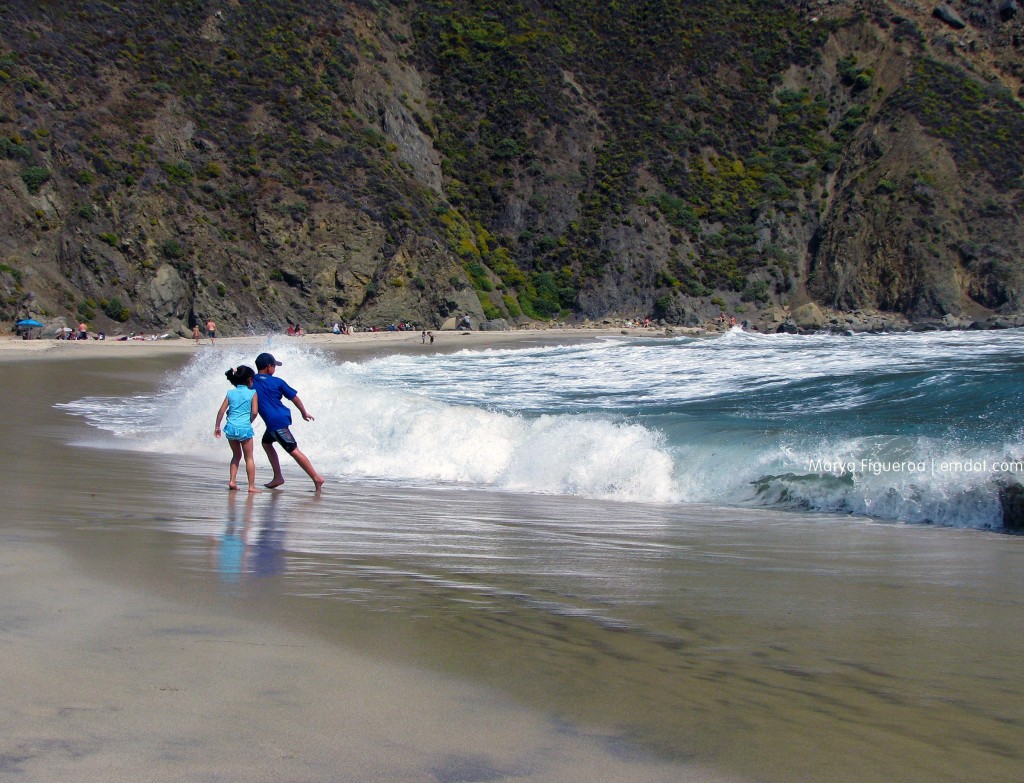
<point x="946" y="13"/>
<point x="342" y="162"/>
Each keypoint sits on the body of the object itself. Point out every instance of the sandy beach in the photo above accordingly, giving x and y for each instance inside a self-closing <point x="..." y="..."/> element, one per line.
<point x="361" y="343"/>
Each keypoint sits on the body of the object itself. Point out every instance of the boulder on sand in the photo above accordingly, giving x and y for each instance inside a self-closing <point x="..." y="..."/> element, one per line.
<point x="1011" y="499"/>
<point x="808" y="317"/>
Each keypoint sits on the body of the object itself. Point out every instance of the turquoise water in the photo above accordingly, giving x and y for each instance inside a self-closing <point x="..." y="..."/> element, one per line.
<point x="918" y="428"/>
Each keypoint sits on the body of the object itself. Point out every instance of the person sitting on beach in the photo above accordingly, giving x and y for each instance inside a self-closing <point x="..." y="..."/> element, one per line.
<point x="291" y="329"/>
<point x="241" y="405"/>
<point x="336" y="329"/>
<point x="278" y="419"/>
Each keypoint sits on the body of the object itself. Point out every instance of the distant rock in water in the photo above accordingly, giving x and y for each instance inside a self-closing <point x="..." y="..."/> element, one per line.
<point x="1011" y="498"/>
<point x="946" y="13"/>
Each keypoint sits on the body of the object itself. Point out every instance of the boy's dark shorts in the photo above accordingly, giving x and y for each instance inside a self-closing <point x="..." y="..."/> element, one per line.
<point x="282" y="436"/>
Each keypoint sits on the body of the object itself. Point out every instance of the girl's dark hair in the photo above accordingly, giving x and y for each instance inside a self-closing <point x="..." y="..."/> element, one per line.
<point x="240" y="375"/>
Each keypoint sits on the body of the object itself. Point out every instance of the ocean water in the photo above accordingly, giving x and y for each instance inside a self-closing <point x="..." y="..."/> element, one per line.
<point x="915" y="428"/>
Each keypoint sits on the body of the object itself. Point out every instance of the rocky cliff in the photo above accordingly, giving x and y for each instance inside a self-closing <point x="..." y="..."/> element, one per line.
<point x="265" y="162"/>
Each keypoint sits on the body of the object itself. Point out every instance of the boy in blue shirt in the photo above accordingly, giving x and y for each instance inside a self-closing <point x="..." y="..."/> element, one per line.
<point x="278" y="419"/>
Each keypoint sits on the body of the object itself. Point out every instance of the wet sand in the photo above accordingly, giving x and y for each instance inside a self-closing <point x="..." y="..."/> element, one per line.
<point x="122" y="663"/>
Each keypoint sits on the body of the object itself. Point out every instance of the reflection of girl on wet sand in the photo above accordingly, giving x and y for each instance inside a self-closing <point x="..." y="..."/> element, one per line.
<point x="240" y="404"/>
<point x="228" y="552"/>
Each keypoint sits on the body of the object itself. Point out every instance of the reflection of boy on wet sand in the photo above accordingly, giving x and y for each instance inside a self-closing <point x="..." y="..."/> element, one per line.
<point x="278" y="419"/>
<point x="267" y="559"/>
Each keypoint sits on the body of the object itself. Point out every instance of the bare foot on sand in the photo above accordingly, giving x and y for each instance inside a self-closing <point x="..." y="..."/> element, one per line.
<point x="232" y="486"/>
<point x="274" y="483"/>
<point x="318" y="482"/>
<point x="254" y="490"/>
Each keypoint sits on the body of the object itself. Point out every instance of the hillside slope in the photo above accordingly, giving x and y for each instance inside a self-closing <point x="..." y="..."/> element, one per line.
<point x="161" y="163"/>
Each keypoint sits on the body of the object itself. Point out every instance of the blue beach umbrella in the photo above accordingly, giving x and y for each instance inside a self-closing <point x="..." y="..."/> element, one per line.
<point x="28" y="322"/>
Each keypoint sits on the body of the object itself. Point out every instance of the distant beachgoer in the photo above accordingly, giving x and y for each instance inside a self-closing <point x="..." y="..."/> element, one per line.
<point x="732" y="320"/>
<point x="83" y="332"/>
<point x="431" y="336"/>
<point x="336" y="329"/>
<point x="211" y="331"/>
<point x="423" y="336"/>
<point x="241" y="405"/>
<point x="278" y="419"/>
<point x="298" y="331"/>
<point x="195" y="334"/>
<point x="291" y="329"/>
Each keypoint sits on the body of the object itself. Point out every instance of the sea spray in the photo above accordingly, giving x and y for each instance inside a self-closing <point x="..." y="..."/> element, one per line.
<point x="916" y="427"/>
<point x="368" y="427"/>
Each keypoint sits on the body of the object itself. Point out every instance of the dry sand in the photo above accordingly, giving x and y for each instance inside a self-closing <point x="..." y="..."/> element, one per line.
<point x="13" y="348"/>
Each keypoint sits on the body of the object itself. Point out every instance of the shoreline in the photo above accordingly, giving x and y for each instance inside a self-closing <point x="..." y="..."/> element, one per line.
<point x="14" y="348"/>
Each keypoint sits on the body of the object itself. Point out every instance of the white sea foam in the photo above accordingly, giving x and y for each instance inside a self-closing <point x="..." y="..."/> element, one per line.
<point x="743" y="419"/>
<point x="368" y="427"/>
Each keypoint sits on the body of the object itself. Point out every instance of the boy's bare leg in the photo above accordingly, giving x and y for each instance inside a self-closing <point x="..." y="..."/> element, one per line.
<point x="275" y="465"/>
<point x="307" y="466"/>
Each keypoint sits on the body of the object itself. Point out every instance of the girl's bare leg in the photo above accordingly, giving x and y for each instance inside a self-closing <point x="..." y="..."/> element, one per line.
<point x="236" y="457"/>
<point x="250" y="466"/>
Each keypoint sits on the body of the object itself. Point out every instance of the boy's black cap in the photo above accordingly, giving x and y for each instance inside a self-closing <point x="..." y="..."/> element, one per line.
<point x="265" y="360"/>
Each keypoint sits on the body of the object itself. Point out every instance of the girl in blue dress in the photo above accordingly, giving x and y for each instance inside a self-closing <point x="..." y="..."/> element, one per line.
<point x="241" y="406"/>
